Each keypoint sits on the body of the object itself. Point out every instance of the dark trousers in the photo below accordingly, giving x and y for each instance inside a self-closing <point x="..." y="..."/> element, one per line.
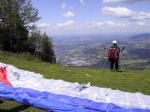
<point x="112" y="63"/>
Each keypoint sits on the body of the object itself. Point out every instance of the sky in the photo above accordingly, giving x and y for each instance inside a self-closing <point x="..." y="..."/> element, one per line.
<point x="76" y="17"/>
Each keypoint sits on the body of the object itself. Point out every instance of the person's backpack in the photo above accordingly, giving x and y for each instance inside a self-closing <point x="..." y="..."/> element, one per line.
<point x="112" y="53"/>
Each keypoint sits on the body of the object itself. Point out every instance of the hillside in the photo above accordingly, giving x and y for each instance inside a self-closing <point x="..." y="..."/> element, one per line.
<point x="131" y="81"/>
<point x="126" y="81"/>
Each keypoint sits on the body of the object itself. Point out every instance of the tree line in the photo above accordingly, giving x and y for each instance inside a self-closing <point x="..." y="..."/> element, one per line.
<point x="18" y="32"/>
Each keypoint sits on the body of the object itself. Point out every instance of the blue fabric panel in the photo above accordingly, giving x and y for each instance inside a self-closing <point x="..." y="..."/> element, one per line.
<point x="58" y="103"/>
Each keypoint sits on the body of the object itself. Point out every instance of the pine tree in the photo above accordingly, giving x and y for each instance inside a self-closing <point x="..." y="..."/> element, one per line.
<point x="35" y="42"/>
<point x="42" y="47"/>
<point x="17" y="18"/>
<point x="47" y="50"/>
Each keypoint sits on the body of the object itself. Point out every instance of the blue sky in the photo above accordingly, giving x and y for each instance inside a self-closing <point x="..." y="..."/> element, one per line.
<point x="66" y="17"/>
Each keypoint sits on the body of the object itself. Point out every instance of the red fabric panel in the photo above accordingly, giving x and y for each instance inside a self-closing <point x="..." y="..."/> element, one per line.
<point x="3" y="76"/>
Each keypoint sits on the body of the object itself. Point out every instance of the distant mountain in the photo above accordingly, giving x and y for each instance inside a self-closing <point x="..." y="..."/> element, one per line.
<point x="140" y="36"/>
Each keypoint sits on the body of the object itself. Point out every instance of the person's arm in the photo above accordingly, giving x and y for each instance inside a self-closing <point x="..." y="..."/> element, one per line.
<point x="119" y="50"/>
<point x="107" y="49"/>
<point x="122" y="49"/>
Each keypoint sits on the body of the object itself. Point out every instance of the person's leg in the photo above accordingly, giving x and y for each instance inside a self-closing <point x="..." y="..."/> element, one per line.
<point x="111" y="64"/>
<point x="116" y="65"/>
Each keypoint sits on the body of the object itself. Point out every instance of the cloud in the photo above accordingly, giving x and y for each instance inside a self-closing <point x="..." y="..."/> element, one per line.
<point x="82" y="2"/>
<point x="69" y="23"/>
<point x="124" y="1"/>
<point x="69" y="27"/>
<point x="122" y="12"/>
<point x="141" y="24"/>
<point x="43" y="25"/>
<point x="105" y="24"/>
<point x="116" y="27"/>
<point x="69" y="14"/>
<point x="106" y="27"/>
<point x="138" y="27"/>
<point x="118" y="12"/>
<point x="63" y="5"/>
<point x="141" y="16"/>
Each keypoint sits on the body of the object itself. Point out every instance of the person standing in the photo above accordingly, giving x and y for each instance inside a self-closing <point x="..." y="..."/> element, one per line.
<point x="113" y="56"/>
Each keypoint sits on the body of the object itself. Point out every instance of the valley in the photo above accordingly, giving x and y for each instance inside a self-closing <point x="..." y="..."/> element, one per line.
<point x="88" y="51"/>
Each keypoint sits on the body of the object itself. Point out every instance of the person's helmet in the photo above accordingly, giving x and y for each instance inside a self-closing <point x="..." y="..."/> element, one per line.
<point x="114" y="42"/>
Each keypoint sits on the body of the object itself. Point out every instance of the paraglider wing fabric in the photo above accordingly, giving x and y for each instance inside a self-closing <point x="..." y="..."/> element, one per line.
<point x="3" y="76"/>
<point x="58" y="103"/>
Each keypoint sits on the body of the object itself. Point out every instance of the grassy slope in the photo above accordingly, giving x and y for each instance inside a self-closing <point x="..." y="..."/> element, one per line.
<point x="132" y="81"/>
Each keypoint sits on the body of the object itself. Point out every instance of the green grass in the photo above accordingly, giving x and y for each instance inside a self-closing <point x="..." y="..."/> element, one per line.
<point x="128" y="62"/>
<point x="130" y="81"/>
<point x="12" y="106"/>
